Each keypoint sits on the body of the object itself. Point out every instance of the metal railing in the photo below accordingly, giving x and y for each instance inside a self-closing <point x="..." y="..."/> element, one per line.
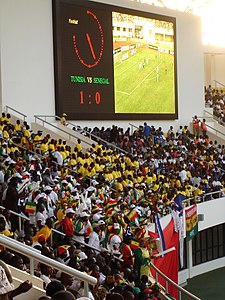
<point x="155" y="139"/>
<point x="24" y="217"/>
<point x="203" y="198"/>
<point x="80" y="130"/>
<point x="19" y="215"/>
<point x="33" y="254"/>
<point x="217" y="82"/>
<point x="70" y="135"/>
<point x="215" y="119"/>
<point x="168" y="280"/>
<point x="132" y="127"/>
<point x="97" y="138"/>
<point x="7" y="108"/>
<point x="86" y="245"/>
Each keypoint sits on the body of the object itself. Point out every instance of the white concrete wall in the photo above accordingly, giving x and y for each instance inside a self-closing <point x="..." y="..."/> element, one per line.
<point x="214" y="69"/>
<point x="213" y="211"/>
<point x="26" y="59"/>
<point x="27" y="56"/>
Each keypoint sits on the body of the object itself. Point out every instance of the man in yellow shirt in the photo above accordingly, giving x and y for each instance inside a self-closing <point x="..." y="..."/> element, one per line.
<point x="78" y="145"/>
<point x="45" y="231"/>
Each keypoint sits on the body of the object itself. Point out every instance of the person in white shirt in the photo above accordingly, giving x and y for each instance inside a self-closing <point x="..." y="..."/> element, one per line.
<point x="101" y="224"/>
<point x="58" y="156"/>
<point x="183" y="175"/>
<point x="41" y="215"/>
<point x="114" y="240"/>
<point x="94" y="240"/>
<point x="46" y="273"/>
<point x="50" y="204"/>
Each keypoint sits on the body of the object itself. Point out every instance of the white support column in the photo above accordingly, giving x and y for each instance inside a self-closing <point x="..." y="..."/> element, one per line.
<point x="189" y="259"/>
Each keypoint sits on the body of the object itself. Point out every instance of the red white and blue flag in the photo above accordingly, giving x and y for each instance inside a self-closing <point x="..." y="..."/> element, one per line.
<point x="160" y="233"/>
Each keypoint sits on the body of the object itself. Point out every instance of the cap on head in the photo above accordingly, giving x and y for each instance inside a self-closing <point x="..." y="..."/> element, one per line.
<point x="69" y="210"/>
<point x="116" y="226"/>
<point x="84" y="214"/>
<point x="47" y="188"/>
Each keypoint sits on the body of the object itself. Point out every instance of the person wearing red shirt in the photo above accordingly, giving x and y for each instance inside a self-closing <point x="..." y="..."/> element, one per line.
<point x="67" y="223"/>
<point x="126" y="252"/>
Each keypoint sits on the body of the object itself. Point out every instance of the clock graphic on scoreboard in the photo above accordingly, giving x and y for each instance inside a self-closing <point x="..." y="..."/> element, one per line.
<point x="94" y="51"/>
<point x="87" y="85"/>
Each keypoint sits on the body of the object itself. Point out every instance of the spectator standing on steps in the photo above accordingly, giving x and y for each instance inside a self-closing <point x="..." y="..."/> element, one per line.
<point x="63" y="120"/>
<point x="203" y="128"/>
<point x="146" y="130"/>
<point x="195" y="123"/>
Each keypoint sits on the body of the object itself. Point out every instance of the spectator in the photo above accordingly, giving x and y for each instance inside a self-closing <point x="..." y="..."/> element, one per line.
<point x="94" y="240"/>
<point x="203" y="128"/>
<point x="63" y="119"/>
<point x="195" y="123"/>
<point x="7" y="290"/>
<point x="65" y="295"/>
<point x="67" y="222"/>
<point x="142" y="259"/>
<point x="45" y="231"/>
<point x="54" y="287"/>
<point x="11" y="201"/>
<point x="146" y="130"/>
<point x="46" y="272"/>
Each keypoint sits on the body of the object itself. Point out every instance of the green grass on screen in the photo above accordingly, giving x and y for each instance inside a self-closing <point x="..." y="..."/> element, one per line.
<point x="137" y="90"/>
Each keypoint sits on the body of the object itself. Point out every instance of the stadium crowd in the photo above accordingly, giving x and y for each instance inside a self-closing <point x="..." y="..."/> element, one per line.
<point x="102" y="199"/>
<point x="215" y="98"/>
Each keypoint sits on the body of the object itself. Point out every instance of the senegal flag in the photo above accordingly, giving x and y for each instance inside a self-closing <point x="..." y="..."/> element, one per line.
<point x="133" y="214"/>
<point x="134" y="244"/>
<point x="30" y="208"/>
<point x="111" y="203"/>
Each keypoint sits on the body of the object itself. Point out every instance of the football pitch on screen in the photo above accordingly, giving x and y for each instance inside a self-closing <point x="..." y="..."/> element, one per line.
<point x="144" y="82"/>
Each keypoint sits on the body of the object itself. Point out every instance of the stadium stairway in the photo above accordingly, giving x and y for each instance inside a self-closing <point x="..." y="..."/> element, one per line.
<point x="216" y="131"/>
<point x="20" y="276"/>
<point x="52" y="127"/>
<point x="58" y="131"/>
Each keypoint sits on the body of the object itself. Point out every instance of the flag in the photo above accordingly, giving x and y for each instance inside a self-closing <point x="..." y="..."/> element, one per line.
<point x="169" y="263"/>
<point x="152" y="244"/>
<point x="179" y="227"/>
<point x="62" y="249"/>
<point x="133" y="214"/>
<point x="181" y="238"/>
<point x="160" y="233"/>
<point x="134" y="244"/>
<point x="178" y="200"/>
<point x="101" y="195"/>
<point x="82" y="177"/>
<point x="191" y="222"/>
<point x="78" y="226"/>
<point x="111" y="203"/>
<point x="136" y="194"/>
<point x="30" y="208"/>
<point x="176" y="218"/>
<point x="152" y="234"/>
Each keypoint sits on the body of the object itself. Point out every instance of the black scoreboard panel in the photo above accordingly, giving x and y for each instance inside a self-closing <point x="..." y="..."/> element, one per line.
<point x="113" y="63"/>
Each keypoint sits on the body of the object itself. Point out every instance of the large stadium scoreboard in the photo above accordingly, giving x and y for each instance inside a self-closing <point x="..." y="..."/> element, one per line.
<point x="113" y="63"/>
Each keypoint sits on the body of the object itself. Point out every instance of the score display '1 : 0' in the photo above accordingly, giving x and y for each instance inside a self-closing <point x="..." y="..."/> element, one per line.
<point x="97" y="98"/>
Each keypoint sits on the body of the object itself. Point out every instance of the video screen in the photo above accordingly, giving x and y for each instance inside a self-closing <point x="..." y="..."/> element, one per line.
<point x="143" y="55"/>
<point x="113" y="63"/>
